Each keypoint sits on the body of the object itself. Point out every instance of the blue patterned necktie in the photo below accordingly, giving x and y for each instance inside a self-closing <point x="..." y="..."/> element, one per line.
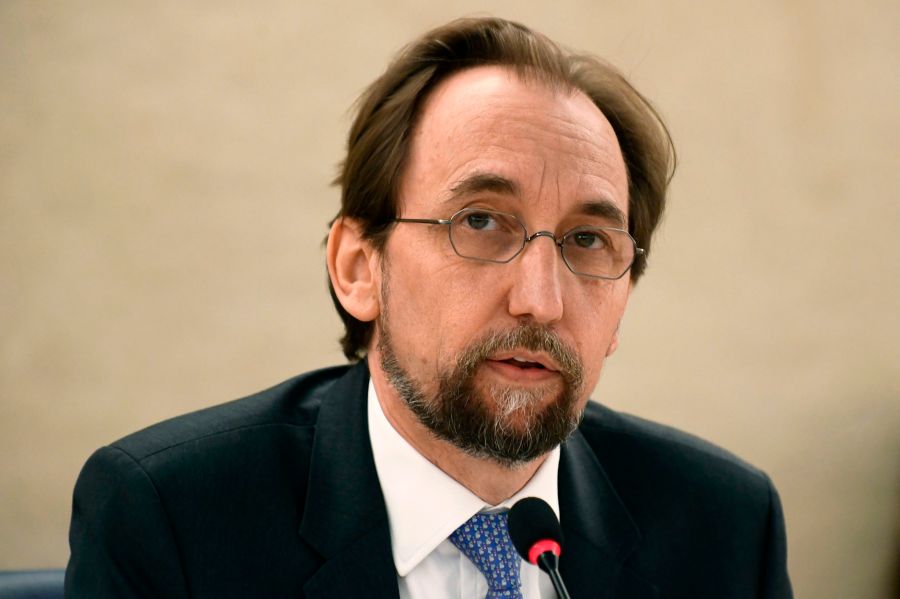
<point x="484" y="539"/>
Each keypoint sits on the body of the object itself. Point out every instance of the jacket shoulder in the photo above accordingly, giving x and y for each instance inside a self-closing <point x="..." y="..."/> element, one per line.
<point x="710" y="524"/>
<point x="205" y="504"/>
<point x="292" y="403"/>
<point x="648" y="462"/>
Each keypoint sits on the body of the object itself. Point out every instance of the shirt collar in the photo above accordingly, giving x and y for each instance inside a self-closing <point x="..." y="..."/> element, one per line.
<point x="424" y="504"/>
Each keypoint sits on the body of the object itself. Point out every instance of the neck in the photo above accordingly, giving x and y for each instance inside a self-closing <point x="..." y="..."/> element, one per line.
<point x="491" y="481"/>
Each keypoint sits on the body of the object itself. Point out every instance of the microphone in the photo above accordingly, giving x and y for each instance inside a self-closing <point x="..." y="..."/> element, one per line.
<point x="537" y="536"/>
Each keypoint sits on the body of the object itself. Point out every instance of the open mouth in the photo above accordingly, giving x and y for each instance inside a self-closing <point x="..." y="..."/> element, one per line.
<point x="523" y="364"/>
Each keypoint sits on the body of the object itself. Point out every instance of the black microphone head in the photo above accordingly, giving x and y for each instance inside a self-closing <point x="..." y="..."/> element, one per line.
<point x="532" y="520"/>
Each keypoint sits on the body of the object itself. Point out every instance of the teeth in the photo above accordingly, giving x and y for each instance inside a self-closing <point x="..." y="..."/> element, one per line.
<point x="517" y="359"/>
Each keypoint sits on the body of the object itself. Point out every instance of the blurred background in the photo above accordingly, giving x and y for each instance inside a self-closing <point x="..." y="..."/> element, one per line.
<point x="164" y="191"/>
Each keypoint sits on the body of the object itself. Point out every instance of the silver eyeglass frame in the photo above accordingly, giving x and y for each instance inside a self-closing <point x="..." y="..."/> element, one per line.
<point x="526" y="238"/>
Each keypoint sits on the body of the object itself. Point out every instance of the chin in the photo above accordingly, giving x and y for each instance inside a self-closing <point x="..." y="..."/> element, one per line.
<point x="517" y="403"/>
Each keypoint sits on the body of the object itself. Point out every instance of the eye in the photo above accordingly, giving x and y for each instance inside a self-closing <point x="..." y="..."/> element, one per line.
<point x="589" y="239"/>
<point x="480" y="221"/>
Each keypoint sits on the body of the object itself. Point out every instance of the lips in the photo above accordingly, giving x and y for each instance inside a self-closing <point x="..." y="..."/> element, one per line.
<point x="526" y="360"/>
<point x="524" y="364"/>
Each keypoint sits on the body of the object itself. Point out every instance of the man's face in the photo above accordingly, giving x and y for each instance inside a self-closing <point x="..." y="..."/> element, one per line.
<point x="499" y="359"/>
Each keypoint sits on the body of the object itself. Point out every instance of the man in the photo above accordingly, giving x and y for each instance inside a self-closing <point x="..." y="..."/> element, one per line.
<point x="499" y="195"/>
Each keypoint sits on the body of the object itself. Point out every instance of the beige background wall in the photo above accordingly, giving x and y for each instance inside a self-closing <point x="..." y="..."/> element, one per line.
<point x="164" y="172"/>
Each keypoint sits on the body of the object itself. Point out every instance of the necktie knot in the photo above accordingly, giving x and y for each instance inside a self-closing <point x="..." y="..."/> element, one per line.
<point x="484" y="539"/>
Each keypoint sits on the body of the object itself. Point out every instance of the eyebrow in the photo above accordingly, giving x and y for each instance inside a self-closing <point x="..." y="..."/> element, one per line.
<point x="481" y="182"/>
<point x="604" y="209"/>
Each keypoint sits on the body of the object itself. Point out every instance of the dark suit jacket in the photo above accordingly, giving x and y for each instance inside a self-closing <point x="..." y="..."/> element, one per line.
<point x="276" y="495"/>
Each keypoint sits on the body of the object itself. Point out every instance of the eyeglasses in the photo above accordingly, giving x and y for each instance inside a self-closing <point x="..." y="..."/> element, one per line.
<point x="491" y="236"/>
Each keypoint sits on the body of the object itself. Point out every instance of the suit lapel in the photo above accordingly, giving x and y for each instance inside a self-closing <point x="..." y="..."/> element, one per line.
<point x="599" y="532"/>
<point x="345" y="519"/>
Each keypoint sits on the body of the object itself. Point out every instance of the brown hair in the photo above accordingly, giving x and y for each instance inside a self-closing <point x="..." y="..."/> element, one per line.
<point x="378" y="143"/>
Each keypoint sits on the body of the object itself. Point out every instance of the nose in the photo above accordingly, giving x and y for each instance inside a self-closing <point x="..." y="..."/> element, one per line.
<point x="536" y="291"/>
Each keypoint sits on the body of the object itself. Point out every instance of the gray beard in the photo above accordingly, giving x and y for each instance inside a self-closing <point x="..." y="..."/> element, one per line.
<point x="484" y="427"/>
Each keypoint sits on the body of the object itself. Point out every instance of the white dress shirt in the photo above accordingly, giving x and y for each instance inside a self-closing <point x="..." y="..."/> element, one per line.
<point x="425" y="506"/>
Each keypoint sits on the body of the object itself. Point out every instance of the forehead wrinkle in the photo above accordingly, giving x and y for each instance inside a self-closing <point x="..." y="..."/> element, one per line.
<point x="523" y="122"/>
<point x="587" y="150"/>
<point x="586" y="157"/>
<point x="529" y="126"/>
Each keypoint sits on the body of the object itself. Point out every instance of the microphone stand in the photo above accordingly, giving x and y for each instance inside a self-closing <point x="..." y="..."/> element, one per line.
<point x="549" y="563"/>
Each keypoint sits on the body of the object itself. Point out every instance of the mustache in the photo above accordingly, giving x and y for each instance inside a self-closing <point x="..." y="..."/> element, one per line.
<point x="531" y="337"/>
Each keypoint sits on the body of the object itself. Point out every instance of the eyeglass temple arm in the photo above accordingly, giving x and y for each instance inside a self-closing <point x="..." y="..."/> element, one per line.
<point x="424" y="221"/>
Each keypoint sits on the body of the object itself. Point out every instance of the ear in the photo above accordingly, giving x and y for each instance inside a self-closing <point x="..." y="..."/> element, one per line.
<point x="614" y="342"/>
<point x="353" y="269"/>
